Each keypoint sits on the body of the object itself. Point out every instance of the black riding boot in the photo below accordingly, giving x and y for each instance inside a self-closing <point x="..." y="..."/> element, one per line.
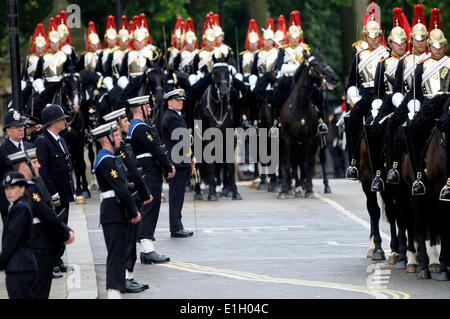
<point x="322" y="127"/>
<point x="393" y="176"/>
<point x="352" y="172"/>
<point x="445" y="192"/>
<point x="414" y="145"/>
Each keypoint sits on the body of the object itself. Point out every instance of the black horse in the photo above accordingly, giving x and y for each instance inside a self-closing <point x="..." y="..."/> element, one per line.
<point x="299" y="121"/>
<point x="215" y="111"/>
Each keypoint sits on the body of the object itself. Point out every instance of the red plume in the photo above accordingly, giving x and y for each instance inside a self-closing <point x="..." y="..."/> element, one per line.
<point x="131" y="28"/>
<point x="144" y="24"/>
<point x="190" y="27"/>
<point x="270" y="24"/>
<point x="39" y="31"/>
<point x="123" y="23"/>
<point x="63" y="19"/>
<point x="91" y="29"/>
<point x="281" y="26"/>
<point x="109" y="24"/>
<point x="252" y="27"/>
<point x="58" y="20"/>
<point x="435" y="20"/>
<point x="418" y="15"/>
<point x="209" y="21"/>
<point x="177" y="26"/>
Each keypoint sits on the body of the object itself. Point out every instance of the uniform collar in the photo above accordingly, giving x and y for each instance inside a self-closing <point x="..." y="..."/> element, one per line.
<point x="133" y="124"/>
<point x="100" y="156"/>
<point x="56" y="137"/>
<point x="179" y="113"/>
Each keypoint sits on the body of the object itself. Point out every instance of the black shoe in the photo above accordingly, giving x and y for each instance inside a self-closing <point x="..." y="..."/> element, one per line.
<point x="418" y="188"/>
<point x="132" y="286"/>
<point x="63" y="268"/>
<point x="393" y="177"/>
<point x="377" y="185"/>
<point x="182" y="233"/>
<point x="57" y="275"/>
<point x="351" y="173"/>
<point x="56" y="269"/>
<point x="153" y="258"/>
<point x="445" y="193"/>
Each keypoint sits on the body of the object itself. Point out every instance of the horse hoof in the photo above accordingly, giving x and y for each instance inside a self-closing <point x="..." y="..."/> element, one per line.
<point x="229" y="194"/>
<point x="213" y="197"/>
<point x="434" y="268"/>
<point x="327" y="190"/>
<point x="86" y="194"/>
<point x="442" y="276"/>
<point x="261" y="186"/>
<point x="424" y="274"/>
<point x="198" y="197"/>
<point x="393" y="259"/>
<point x="378" y="255"/>
<point x="80" y="200"/>
<point x="411" y="268"/>
<point x="282" y="196"/>
<point x="370" y="253"/>
<point x="237" y="196"/>
<point x="309" y="194"/>
<point x="298" y="194"/>
<point x="400" y="265"/>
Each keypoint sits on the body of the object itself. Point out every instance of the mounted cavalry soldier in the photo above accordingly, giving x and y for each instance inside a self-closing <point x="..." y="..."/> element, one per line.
<point x="110" y="40"/>
<point x="127" y="169"/>
<point x="38" y="48"/>
<point x="117" y="209"/>
<point x="153" y="161"/>
<point x="90" y="59"/>
<point x="64" y="33"/>
<point x="184" y="61"/>
<point x="203" y="61"/>
<point x="383" y="91"/>
<point x="361" y="85"/>
<point x="177" y="44"/>
<point x="404" y="76"/>
<point x="432" y="83"/>
<point x="225" y="52"/>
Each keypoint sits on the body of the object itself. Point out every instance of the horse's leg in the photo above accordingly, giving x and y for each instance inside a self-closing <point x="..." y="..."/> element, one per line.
<point x="420" y="235"/>
<point x="374" y="213"/>
<point x="432" y="252"/>
<point x="284" y="167"/>
<point x="232" y="180"/>
<point x="323" y="163"/>
<point x="390" y="208"/>
<point x="211" y="181"/>
<point x="309" y="170"/>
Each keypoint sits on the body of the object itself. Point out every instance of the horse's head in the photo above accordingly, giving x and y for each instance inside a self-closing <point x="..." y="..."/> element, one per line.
<point x="71" y="86"/>
<point x="320" y="71"/>
<point x="222" y="79"/>
<point x="155" y="80"/>
<point x="91" y="85"/>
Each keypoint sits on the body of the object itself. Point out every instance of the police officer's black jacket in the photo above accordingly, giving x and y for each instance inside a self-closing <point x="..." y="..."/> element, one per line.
<point x="144" y="140"/>
<point x="129" y="160"/>
<point x="6" y="149"/>
<point x="56" y="166"/>
<point x="108" y="178"/>
<point x="48" y="232"/>
<point x="171" y="121"/>
<point x="17" y="254"/>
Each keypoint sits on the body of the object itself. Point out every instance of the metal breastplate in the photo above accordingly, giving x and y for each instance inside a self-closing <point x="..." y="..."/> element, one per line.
<point x="117" y="61"/>
<point x="90" y="61"/>
<point x="439" y="81"/>
<point x="32" y="64"/>
<point x="298" y="53"/>
<point x="137" y="61"/>
<point x="267" y="60"/>
<point x="106" y="53"/>
<point x="367" y="73"/>
<point x="173" y="53"/>
<point x="390" y="66"/>
<point x="247" y="62"/>
<point x="187" y="60"/>
<point x="222" y="52"/>
<point x="206" y="59"/>
<point x="54" y="66"/>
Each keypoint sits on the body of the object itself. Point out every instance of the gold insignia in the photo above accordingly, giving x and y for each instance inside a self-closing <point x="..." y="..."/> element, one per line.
<point x="180" y="93"/>
<point x="149" y="137"/>
<point x="444" y="73"/>
<point x="69" y="129"/>
<point x="122" y="154"/>
<point x="36" y="197"/>
<point x="188" y="154"/>
<point x="114" y="173"/>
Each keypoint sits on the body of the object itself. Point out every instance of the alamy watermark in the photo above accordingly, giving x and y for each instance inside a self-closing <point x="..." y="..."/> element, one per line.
<point x="73" y="16"/>
<point x="379" y="277"/>
<point x="211" y="146"/>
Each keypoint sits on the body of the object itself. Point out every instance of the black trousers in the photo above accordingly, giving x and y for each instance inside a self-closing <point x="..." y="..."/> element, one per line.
<point x="19" y="285"/>
<point x="43" y="282"/>
<point x="116" y="235"/>
<point x="62" y="248"/>
<point x="150" y="212"/>
<point x="131" y="246"/>
<point x="177" y="188"/>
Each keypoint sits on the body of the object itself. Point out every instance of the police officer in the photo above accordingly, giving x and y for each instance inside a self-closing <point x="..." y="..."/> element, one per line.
<point x="33" y="128"/>
<point x="153" y="161"/>
<point x="117" y="208"/>
<point x="14" y="127"/>
<point x="48" y="232"/>
<point x="56" y="165"/>
<point x="172" y="120"/>
<point x="126" y="162"/>
<point x="17" y="258"/>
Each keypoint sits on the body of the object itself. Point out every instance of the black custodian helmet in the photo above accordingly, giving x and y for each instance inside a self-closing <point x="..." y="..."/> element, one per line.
<point x="13" y="118"/>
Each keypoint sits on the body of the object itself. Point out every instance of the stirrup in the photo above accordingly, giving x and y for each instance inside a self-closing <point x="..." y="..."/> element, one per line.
<point x="393" y="176"/>
<point x="418" y="188"/>
<point x="322" y="128"/>
<point x="377" y="183"/>
<point x="352" y="171"/>
<point x="445" y="192"/>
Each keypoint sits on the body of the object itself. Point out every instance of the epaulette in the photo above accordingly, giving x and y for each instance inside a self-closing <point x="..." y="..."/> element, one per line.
<point x="243" y="52"/>
<point x="383" y="59"/>
<point x="421" y="61"/>
<point x="404" y="56"/>
<point x="83" y="52"/>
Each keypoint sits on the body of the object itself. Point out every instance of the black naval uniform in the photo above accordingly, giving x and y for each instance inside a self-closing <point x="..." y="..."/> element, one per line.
<point x="17" y="258"/>
<point x="177" y="185"/>
<point x="151" y="158"/>
<point x="47" y="234"/>
<point x="115" y="213"/>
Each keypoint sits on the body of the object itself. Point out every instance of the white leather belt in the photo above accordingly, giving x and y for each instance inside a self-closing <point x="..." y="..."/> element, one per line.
<point x="135" y="74"/>
<point x="55" y="78"/>
<point x="144" y="155"/>
<point x="370" y="84"/>
<point x="430" y="96"/>
<point x="107" y="194"/>
<point x="36" y="220"/>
